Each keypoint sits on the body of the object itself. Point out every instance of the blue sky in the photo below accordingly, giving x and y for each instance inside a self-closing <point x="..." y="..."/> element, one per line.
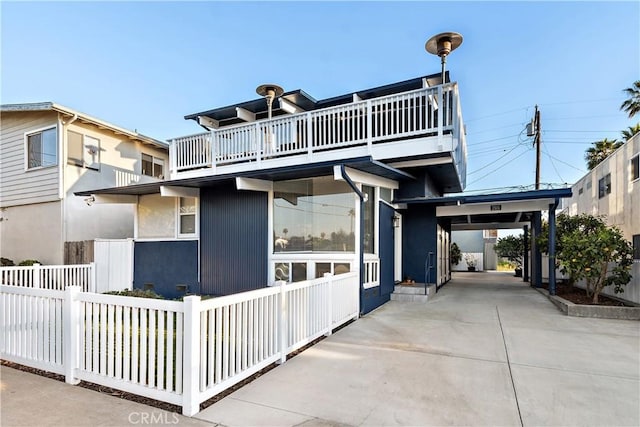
<point x="144" y="65"/>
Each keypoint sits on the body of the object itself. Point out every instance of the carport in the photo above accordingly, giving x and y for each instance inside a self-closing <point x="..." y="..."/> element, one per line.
<point x="501" y="211"/>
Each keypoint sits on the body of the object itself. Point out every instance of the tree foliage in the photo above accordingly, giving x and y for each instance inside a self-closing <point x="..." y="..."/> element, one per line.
<point x="600" y="151"/>
<point x="455" y="255"/>
<point x="629" y="132"/>
<point x="511" y="248"/>
<point x="632" y="104"/>
<point x="587" y="248"/>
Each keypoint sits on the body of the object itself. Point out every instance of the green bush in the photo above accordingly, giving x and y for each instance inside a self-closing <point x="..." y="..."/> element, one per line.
<point x="6" y="262"/>
<point x="29" y="262"/>
<point x="455" y="254"/>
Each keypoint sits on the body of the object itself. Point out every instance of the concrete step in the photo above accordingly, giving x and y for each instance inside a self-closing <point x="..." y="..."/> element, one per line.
<point x="415" y="289"/>
<point x="409" y="298"/>
<point x="413" y="292"/>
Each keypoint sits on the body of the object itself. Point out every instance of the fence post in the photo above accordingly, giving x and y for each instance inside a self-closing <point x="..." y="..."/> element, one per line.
<point x="283" y="332"/>
<point x="71" y="334"/>
<point x="329" y="276"/>
<point x="93" y="277"/>
<point x="369" y="118"/>
<point x="36" y="275"/>
<point x="191" y="357"/>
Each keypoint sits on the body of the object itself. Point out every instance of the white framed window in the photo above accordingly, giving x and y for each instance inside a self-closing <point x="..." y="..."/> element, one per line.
<point x="41" y="148"/>
<point x="187" y="217"/>
<point x="152" y="166"/>
<point x="83" y="150"/>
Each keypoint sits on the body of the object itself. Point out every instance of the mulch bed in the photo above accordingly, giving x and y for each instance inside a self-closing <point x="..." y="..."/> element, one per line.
<point x="579" y="296"/>
<point x="156" y="403"/>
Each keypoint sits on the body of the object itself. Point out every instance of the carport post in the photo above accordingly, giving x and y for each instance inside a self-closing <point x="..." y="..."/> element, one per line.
<point x="536" y="261"/>
<point x="552" y="248"/>
<point x="525" y="257"/>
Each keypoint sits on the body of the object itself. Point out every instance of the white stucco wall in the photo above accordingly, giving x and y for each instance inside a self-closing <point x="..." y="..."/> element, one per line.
<point x="32" y="232"/>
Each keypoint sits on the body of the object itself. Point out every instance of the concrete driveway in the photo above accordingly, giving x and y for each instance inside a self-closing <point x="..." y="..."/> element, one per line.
<point x="487" y="350"/>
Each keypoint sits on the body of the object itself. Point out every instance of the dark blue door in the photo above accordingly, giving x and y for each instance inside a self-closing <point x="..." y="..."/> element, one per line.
<point x="375" y="297"/>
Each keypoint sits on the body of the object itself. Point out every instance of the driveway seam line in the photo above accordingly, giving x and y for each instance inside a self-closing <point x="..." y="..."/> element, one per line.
<point x="506" y="351"/>
<point x="573" y="371"/>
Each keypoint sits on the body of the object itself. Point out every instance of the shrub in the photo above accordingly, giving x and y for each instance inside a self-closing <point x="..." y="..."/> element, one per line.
<point x="138" y="293"/>
<point x="511" y="248"/>
<point x="29" y="262"/>
<point x="455" y="255"/>
<point x="6" y="262"/>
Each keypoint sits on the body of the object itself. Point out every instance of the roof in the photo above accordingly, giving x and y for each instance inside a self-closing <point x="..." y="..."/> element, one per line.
<point x="51" y="106"/>
<point x="491" y="211"/>
<point x="227" y="115"/>
<point x="364" y="164"/>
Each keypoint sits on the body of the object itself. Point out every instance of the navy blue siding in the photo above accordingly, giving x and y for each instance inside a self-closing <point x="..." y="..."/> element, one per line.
<point x="419" y="237"/>
<point x="375" y="297"/>
<point x="233" y="240"/>
<point x="166" y="265"/>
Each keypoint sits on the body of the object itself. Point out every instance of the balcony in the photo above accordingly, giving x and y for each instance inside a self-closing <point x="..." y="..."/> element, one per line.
<point x="396" y="129"/>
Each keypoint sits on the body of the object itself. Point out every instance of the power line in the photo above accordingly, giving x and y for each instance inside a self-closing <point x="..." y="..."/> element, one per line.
<point x="493" y="162"/>
<point x="492" y="140"/>
<point x="500" y="167"/>
<point x="546" y="151"/>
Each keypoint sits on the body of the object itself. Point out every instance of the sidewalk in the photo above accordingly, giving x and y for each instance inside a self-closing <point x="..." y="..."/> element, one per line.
<point x="31" y="400"/>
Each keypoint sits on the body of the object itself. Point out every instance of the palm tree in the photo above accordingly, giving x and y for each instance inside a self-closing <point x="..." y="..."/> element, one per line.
<point x="632" y="104"/>
<point x="600" y="151"/>
<point x="628" y="133"/>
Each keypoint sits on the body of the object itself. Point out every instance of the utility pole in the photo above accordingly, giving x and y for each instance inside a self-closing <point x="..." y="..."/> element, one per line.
<point x="537" y="142"/>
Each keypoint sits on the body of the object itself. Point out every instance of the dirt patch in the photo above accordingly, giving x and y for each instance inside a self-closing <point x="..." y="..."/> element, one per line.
<point x="579" y="296"/>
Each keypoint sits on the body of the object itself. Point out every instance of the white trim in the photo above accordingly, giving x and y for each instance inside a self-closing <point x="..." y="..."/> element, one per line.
<point x="424" y="162"/>
<point x="208" y="122"/>
<point x="364" y="178"/>
<point x="187" y="236"/>
<point x="253" y="184"/>
<point x="485" y="208"/>
<point x="245" y="115"/>
<point x="177" y="191"/>
<point x="271" y="272"/>
<point x="289" y="107"/>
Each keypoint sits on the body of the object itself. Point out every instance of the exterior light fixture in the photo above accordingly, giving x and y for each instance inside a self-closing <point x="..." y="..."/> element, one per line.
<point x="269" y="92"/>
<point x="396" y="221"/>
<point x="442" y="45"/>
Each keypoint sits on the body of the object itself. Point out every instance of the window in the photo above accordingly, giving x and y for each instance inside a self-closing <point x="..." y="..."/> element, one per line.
<point x="42" y="148"/>
<point x="635" y="167"/>
<point x="152" y="166"/>
<point x="636" y="246"/>
<point x="313" y="215"/>
<point x="369" y="219"/>
<point x="83" y="150"/>
<point x="604" y="186"/>
<point x="187" y="216"/>
<point x="581" y="190"/>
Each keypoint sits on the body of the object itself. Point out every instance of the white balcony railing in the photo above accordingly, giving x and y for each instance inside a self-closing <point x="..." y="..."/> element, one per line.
<point x="365" y="123"/>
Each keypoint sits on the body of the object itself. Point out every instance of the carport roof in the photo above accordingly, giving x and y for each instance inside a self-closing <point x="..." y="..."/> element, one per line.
<point x="491" y="211"/>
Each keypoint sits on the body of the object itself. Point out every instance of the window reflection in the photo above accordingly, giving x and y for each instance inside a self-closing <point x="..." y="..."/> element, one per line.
<point x="313" y="215"/>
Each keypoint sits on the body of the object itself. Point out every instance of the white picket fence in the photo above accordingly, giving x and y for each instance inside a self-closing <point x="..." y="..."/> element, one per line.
<point x="177" y="352"/>
<point x="54" y="277"/>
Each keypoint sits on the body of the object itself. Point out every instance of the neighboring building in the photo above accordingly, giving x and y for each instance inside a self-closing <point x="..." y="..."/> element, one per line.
<point x="612" y="189"/>
<point x="47" y="153"/>
<point x="350" y="183"/>
<point x="477" y="244"/>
